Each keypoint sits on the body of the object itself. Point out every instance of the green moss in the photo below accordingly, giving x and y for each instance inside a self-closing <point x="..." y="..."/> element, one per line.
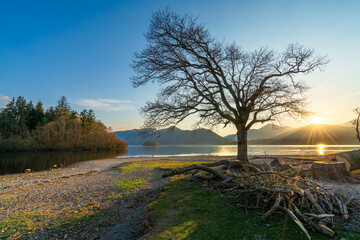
<point x="22" y="224"/>
<point x="127" y="186"/>
<point x="5" y="199"/>
<point x="187" y="210"/>
<point x="25" y="224"/>
<point x="178" y="232"/>
<point x="148" y="165"/>
<point x="84" y="213"/>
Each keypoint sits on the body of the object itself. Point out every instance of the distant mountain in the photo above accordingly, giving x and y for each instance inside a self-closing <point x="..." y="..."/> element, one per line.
<point x="267" y="131"/>
<point x="270" y="134"/>
<point x="346" y="124"/>
<point x="175" y="137"/>
<point x="312" y="135"/>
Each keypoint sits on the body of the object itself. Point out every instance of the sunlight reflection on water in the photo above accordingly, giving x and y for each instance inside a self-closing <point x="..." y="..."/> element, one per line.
<point x="231" y="150"/>
<point x="321" y="149"/>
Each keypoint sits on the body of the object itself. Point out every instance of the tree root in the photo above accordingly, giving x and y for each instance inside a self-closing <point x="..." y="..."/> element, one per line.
<point x="306" y="202"/>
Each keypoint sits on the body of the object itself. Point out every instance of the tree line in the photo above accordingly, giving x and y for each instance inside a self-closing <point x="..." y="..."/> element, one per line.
<point x="25" y="125"/>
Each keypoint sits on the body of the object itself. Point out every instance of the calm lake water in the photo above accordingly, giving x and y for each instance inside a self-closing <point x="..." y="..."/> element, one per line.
<point x="231" y="150"/>
<point x="17" y="162"/>
<point x="37" y="161"/>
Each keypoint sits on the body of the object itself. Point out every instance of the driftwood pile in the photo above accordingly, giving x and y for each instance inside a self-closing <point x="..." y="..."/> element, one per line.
<point x="263" y="187"/>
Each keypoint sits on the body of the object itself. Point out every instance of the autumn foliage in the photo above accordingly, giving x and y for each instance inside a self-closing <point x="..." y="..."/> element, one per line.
<point x="25" y="126"/>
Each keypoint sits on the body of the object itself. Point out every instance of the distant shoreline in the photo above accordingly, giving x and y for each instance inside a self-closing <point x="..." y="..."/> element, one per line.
<point x="174" y="145"/>
<point x="57" y="149"/>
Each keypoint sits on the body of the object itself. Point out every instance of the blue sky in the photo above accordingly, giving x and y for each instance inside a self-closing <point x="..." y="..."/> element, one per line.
<point x="82" y="49"/>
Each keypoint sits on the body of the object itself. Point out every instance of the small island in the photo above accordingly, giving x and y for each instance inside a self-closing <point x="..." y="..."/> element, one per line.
<point x="151" y="144"/>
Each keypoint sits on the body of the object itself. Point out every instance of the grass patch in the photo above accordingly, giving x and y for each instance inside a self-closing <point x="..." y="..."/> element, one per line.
<point x="127" y="186"/>
<point x="148" y="165"/>
<point x="187" y="210"/>
<point x="25" y="224"/>
<point x="10" y="199"/>
<point x="22" y="224"/>
<point x="73" y="217"/>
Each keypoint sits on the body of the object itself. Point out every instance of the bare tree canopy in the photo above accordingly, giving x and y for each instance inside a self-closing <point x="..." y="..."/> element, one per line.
<point x="218" y="82"/>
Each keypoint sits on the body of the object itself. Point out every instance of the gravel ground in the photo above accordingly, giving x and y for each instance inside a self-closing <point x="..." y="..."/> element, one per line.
<point x="91" y="185"/>
<point x="11" y="181"/>
<point x="58" y="192"/>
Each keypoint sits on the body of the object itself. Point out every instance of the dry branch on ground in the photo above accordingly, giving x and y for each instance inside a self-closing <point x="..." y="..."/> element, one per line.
<point x="309" y="205"/>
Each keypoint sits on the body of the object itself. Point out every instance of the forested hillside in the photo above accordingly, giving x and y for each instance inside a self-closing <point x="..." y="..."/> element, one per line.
<point x="25" y="125"/>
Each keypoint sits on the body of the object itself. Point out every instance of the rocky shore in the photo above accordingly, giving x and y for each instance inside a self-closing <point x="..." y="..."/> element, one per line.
<point x="81" y="189"/>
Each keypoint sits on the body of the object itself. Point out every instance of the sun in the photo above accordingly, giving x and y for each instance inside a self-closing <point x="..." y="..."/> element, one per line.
<point x="316" y="120"/>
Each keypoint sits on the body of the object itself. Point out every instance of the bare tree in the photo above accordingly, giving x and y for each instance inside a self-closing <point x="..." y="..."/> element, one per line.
<point x="217" y="82"/>
<point x="356" y="123"/>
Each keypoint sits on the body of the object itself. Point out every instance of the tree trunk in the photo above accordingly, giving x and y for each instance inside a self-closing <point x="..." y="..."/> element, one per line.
<point x="350" y="158"/>
<point x="332" y="170"/>
<point x="242" y="143"/>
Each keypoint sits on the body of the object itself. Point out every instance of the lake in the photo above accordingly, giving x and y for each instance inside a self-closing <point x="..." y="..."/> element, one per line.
<point x="17" y="162"/>
<point x="231" y="150"/>
<point x="11" y="162"/>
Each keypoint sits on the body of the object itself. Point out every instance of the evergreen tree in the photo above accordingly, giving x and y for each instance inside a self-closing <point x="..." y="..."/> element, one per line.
<point x="73" y="114"/>
<point x="87" y="118"/>
<point x="40" y="115"/>
<point x="50" y="115"/>
<point x="31" y="116"/>
<point x="36" y="116"/>
<point x="7" y="119"/>
<point x="21" y="116"/>
<point x="63" y="108"/>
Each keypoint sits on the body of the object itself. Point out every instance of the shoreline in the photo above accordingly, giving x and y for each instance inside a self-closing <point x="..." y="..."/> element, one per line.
<point x="18" y="180"/>
<point x="58" y="149"/>
<point x="98" y="165"/>
<point x="85" y="193"/>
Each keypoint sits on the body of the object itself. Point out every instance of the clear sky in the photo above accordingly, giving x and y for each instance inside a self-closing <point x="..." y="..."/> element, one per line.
<point x="82" y="49"/>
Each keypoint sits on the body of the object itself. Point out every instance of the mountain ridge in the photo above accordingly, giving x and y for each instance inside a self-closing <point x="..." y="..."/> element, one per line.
<point x="175" y="136"/>
<point x="313" y="134"/>
<point x="264" y="132"/>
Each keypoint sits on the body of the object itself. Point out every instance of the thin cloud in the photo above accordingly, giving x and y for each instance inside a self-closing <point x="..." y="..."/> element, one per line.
<point x="4" y="98"/>
<point x="104" y="104"/>
<point x="107" y="100"/>
<point x="351" y="95"/>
